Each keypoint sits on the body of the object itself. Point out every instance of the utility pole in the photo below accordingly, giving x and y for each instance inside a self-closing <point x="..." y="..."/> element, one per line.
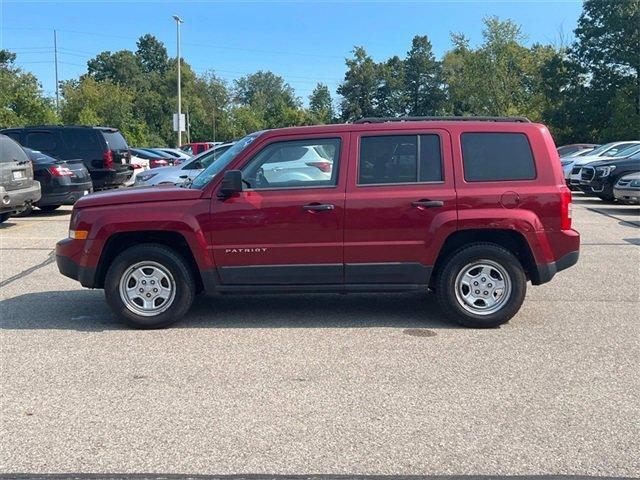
<point x="55" y="55"/>
<point x="180" y="123"/>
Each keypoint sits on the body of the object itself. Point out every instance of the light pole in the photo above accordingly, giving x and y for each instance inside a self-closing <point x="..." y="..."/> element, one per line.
<point x="178" y="22"/>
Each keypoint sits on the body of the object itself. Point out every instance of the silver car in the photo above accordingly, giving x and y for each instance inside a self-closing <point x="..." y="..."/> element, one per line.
<point x="18" y="189"/>
<point x="571" y="165"/>
<point x="185" y="172"/>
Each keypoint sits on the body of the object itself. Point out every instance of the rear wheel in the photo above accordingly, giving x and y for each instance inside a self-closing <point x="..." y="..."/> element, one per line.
<point x="481" y="286"/>
<point x="149" y="286"/>
<point x="49" y="208"/>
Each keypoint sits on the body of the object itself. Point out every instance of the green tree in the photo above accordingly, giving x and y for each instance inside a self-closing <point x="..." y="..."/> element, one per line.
<point x="152" y="54"/>
<point x="90" y="102"/>
<point x="122" y="68"/>
<point x="320" y="104"/>
<point x="423" y="78"/>
<point x="359" y="88"/>
<point x="21" y="99"/>
<point x="390" y="97"/>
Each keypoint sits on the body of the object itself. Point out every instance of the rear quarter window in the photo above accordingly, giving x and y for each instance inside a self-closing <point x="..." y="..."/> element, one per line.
<point x="115" y="140"/>
<point x="492" y="156"/>
<point x="85" y="140"/>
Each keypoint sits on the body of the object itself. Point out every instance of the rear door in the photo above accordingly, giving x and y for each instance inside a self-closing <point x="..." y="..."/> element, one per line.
<point x="117" y="144"/>
<point x="15" y="167"/>
<point x="401" y="201"/>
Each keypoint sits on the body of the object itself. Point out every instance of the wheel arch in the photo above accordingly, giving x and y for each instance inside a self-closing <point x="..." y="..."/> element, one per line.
<point x="118" y="242"/>
<point x="512" y="240"/>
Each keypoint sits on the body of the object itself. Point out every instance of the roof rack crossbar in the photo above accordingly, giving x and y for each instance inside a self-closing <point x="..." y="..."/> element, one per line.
<point x="447" y="119"/>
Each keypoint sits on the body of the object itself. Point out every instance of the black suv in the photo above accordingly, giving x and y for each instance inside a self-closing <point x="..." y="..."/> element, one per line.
<point x="103" y="150"/>
<point x="599" y="178"/>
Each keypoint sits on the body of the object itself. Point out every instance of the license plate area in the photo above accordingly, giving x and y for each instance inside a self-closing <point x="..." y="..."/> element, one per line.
<point x="18" y="175"/>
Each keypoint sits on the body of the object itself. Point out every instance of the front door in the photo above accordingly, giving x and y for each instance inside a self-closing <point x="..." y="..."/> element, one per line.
<point x="286" y="226"/>
<point x="400" y="200"/>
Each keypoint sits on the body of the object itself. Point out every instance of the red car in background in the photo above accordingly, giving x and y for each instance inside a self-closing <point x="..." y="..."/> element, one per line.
<point x="196" y="148"/>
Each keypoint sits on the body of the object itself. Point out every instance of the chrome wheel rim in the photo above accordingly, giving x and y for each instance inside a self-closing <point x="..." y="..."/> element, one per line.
<point x="483" y="287"/>
<point x="147" y="288"/>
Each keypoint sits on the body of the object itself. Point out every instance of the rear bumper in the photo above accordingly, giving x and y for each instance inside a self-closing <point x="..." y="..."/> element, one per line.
<point x="16" y="200"/>
<point x="110" y="178"/>
<point x="546" y="271"/>
<point x="67" y="251"/>
<point x="68" y="196"/>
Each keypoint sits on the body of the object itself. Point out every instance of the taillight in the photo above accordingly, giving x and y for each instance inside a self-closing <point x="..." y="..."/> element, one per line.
<point x="565" y="209"/>
<point x="322" y="166"/>
<point x="136" y="166"/>
<point x="153" y="163"/>
<point x="107" y="159"/>
<point x="60" y="171"/>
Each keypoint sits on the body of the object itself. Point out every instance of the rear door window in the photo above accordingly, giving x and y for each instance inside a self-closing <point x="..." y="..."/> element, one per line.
<point x="490" y="157"/>
<point x="84" y="139"/>
<point x="42" y="141"/>
<point x="397" y="159"/>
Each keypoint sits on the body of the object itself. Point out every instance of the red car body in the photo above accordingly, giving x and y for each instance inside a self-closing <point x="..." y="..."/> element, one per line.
<point x="373" y="238"/>
<point x="196" y="148"/>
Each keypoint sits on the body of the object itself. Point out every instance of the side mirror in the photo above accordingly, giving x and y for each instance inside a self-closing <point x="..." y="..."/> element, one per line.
<point x="231" y="183"/>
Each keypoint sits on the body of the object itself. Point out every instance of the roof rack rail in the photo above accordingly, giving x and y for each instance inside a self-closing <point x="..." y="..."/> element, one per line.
<point x="448" y="119"/>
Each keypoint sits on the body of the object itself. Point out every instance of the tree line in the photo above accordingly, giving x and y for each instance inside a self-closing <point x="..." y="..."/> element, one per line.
<point x="588" y="90"/>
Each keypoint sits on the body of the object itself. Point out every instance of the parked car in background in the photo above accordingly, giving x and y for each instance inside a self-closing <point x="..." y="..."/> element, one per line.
<point x="155" y="159"/>
<point x="576" y="172"/>
<point x="176" y="153"/>
<point x="196" y="148"/>
<point x="468" y="208"/>
<point x="627" y="188"/>
<point x="571" y="165"/>
<point x="103" y="150"/>
<point x="184" y="172"/>
<point x="18" y="189"/>
<point x="599" y="178"/>
<point x="139" y="165"/>
<point x="61" y="182"/>
<point x="576" y="148"/>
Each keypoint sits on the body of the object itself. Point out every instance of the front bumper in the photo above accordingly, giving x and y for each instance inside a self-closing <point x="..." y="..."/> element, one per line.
<point x="627" y="194"/>
<point x="67" y="251"/>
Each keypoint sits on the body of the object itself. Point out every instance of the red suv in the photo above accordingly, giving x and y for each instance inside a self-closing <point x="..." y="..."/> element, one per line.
<point x="471" y="208"/>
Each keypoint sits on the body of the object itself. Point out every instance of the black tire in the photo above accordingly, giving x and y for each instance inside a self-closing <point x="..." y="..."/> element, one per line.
<point x="4" y="217"/>
<point x="24" y="213"/>
<point x="184" y="284"/>
<point x="446" y="285"/>
<point x="49" y="208"/>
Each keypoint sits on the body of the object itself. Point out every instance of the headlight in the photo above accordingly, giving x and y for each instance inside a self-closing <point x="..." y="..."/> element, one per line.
<point x="564" y="163"/>
<point x="605" y="171"/>
<point x="635" y="183"/>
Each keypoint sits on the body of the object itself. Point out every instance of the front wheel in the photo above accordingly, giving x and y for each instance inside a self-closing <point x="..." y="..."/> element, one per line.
<point x="481" y="286"/>
<point x="149" y="286"/>
<point x="4" y="217"/>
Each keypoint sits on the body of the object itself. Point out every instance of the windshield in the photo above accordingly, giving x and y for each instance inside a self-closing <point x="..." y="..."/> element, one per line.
<point x="600" y="150"/>
<point x="222" y="161"/>
<point x="627" y="152"/>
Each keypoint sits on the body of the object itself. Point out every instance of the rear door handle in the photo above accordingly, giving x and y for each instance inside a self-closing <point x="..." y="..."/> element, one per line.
<point x="428" y="203"/>
<point x="318" y="207"/>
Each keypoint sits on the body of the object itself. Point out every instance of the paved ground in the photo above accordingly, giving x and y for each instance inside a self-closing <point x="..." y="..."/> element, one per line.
<point x="324" y="384"/>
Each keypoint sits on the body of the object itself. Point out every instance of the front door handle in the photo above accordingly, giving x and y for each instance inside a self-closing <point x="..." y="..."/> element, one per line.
<point x="318" y="207"/>
<point x="427" y="203"/>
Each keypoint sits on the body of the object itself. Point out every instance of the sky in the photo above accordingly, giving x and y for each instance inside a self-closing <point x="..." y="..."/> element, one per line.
<point x="304" y="41"/>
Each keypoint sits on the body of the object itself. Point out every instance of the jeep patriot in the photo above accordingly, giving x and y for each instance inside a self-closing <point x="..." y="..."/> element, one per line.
<point x="470" y="208"/>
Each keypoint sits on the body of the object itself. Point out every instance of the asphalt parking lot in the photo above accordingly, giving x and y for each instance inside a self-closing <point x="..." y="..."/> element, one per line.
<point x="360" y="384"/>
